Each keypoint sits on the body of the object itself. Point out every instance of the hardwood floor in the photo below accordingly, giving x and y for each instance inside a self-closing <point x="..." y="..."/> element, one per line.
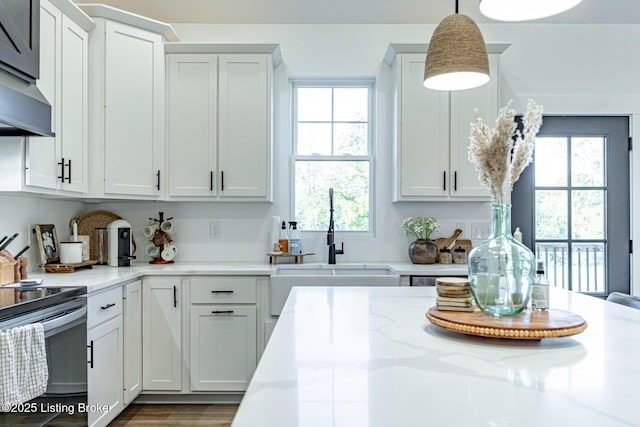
<point x="176" y="415"/>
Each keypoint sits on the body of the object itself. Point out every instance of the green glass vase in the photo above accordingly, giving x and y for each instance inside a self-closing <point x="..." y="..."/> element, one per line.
<point x="501" y="269"/>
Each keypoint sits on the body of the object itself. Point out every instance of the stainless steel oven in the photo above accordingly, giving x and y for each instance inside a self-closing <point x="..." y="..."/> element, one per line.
<point x="62" y="311"/>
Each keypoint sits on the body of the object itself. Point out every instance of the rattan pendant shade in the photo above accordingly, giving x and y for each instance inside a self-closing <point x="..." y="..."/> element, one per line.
<point x="524" y="10"/>
<point x="457" y="56"/>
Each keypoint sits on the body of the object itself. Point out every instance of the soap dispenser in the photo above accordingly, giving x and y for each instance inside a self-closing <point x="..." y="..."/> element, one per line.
<point x="295" y="244"/>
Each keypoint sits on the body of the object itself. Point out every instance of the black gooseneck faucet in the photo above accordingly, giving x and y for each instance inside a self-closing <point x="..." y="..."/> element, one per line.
<point x="332" y="246"/>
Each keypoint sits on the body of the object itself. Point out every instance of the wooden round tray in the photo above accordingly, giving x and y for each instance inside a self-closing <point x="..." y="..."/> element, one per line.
<point x="528" y="325"/>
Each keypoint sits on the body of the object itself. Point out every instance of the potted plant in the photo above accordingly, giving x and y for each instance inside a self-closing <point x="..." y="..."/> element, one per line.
<point x="422" y="250"/>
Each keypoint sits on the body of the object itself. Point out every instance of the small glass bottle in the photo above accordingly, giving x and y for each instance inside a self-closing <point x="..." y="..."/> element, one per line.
<point x="444" y="256"/>
<point x="283" y="238"/>
<point x="459" y="255"/>
<point x="540" y="290"/>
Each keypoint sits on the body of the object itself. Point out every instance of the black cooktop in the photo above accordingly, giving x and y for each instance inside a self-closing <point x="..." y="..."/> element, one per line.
<point x="16" y="300"/>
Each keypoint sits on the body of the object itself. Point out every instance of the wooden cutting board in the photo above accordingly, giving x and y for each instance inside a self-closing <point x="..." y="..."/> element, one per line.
<point x="453" y="242"/>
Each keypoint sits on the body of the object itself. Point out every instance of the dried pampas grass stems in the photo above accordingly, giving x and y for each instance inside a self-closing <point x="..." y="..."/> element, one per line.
<point x="501" y="154"/>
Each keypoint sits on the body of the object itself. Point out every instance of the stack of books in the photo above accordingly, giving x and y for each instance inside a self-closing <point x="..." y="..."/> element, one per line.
<point x="454" y="294"/>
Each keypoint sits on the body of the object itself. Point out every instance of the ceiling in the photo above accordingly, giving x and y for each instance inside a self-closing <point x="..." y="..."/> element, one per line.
<point x="353" y="11"/>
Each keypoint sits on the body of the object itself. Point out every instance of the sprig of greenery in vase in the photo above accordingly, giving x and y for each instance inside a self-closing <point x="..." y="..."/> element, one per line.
<point x="420" y="227"/>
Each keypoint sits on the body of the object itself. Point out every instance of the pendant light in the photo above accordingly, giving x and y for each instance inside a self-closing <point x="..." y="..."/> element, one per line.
<point x="524" y="10"/>
<point x="457" y="56"/>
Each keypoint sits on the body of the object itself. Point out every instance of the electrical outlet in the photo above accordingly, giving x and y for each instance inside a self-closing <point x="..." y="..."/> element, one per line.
<point x="480" y="230"/>
<point x="215" y="230"/>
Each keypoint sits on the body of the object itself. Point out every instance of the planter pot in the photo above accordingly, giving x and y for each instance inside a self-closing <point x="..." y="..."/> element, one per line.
<point x="423" y="252"/>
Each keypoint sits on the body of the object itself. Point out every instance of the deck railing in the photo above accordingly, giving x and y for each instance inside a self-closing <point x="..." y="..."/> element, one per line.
<point x="587" y="272"/>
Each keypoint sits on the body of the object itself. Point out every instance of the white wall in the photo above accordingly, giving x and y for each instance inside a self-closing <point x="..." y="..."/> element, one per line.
<point x="18" y="214"/>
<point x="569" y="69"/>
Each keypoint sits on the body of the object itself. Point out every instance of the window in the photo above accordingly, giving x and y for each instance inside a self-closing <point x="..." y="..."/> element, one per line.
<point x="574" y="203"/>
<point x="332" y="146"/>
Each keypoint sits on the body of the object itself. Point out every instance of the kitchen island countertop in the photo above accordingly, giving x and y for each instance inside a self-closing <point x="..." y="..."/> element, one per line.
<point x="101" y="277"/>
<point x="349" y="356"/>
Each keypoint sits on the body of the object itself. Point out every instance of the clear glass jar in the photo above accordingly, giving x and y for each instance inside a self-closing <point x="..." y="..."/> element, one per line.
<point x="459" y="256"/>
<point x="444" y="256"/>
<point x="501" y="269"/>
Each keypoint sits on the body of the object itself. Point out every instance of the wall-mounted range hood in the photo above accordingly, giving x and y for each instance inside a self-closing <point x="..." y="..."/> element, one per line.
<point x="24" y="111"/>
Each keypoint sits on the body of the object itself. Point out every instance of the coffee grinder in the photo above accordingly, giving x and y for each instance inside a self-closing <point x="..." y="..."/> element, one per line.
<point x="121" y="246"/>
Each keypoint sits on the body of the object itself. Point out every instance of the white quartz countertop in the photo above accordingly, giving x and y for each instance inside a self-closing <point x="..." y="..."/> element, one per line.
<point x="101" y="277"/>
<point x="369" y="357"/>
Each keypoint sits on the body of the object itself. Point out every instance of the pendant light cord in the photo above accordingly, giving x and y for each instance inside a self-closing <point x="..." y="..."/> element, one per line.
<point x="456" y="6"/>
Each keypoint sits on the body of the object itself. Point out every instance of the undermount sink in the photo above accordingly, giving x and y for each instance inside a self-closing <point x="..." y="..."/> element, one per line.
<point x="288" y="276"/>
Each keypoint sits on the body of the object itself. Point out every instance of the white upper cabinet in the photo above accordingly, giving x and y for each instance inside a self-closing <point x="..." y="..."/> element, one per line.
<point x="432" y="133"/>
<point x="193" y="126"/>
<point x="126" y="98"/>
<point x="219" y="122"/>
<point x="60" y="163"/>
<point x="244" y="125"/>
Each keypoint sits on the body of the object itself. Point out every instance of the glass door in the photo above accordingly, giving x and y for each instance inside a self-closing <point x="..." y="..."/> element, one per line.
<point x="573" y="203"/>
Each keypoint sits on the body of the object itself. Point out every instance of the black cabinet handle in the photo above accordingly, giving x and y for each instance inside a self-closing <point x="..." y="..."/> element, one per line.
<point x="61" y="176"/>
<point x="90" y="347"/>
<point x="108" y="306"/>
<point x="68" y="178"/>
<point x="444" y="181"/>
<point x="221" y="292"/>
<point x="222" y="312"/>
<point x="455" y="181"/>
<point x="211" y="181"/>
<point x="175" y="296"/>
<point x="222" y="181"/>
<point x="158" y="180"/>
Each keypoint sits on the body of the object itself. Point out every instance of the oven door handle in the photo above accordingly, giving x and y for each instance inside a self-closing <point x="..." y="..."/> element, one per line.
<point x="62" y="321"/>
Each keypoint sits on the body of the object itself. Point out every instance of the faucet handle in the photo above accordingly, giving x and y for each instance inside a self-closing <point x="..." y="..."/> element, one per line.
<point x="341" y="250"/>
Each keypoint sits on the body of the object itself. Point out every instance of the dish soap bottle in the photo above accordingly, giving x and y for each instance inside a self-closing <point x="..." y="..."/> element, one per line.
<point x="295" y="245"/>
<point x="540" y="290"/>
<point x="283" y="238"/>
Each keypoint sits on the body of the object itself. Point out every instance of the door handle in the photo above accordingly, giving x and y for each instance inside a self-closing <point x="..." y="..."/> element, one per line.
<point x="444" y="181"/>
<point x="211" y="181"/>
<point x="68" y="178"/>
<point x="222" y="181"/>
<point x="158" y="180"/>
<point x="175" y="296"/>
<point x="61" y="176"/>
<point x="221" y="292"/>
<point x="90" y="347"/>
<point x="108" y="306"/>
<point x="455" y="181"/>
<point x="222" y="312"/>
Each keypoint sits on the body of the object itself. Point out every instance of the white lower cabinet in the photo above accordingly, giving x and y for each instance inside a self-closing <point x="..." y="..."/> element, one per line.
<point x="223" y="347"/>
<point x="132" y="317"/>
<point x="104" y="369"/>
<point x="223" y="332"/>
<point x="162" y="334"/>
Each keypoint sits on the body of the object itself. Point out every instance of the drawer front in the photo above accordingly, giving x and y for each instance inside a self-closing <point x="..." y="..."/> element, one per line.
<point x="104" y="306"/>
<point x="223" y="289"/>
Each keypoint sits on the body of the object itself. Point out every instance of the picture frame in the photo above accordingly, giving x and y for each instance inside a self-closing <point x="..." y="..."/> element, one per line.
<point x="48" y="244"/>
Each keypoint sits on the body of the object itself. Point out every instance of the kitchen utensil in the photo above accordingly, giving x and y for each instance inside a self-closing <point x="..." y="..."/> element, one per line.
<point x="3" y="239"/>
<point x="169" y="252"/>
<point x="6" y="243"/>
<point x="23" y="250"/>
<point x="444" y="242"/>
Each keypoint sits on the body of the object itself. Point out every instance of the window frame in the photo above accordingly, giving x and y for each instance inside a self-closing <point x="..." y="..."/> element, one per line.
<point x="334" y="82"/>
